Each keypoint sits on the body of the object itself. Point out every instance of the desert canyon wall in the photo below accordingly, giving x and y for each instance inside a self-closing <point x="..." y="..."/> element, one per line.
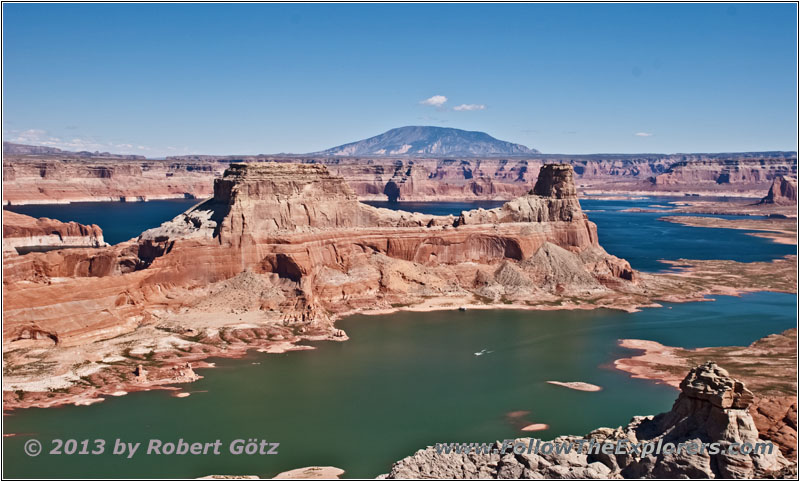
<point x="45" y="178"/>
<point x="38" y="179"/>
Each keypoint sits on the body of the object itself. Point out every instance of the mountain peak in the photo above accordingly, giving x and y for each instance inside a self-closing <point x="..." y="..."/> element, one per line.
<point x="429" y="141"/>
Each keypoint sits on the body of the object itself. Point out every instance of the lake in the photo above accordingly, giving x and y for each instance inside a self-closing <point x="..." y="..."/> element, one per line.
<point x="120" y="221"/>
<point x="641" y="238"/>
<point x="402" y="382"/>
<point x="407" y="380"/>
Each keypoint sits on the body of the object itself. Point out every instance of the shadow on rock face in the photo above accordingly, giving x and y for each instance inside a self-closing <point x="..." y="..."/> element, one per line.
<point x="392" y="191"/>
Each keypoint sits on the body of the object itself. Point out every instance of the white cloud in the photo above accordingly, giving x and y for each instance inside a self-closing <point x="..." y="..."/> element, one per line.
<point x="470" y="107"/>
<point x="643" y="134"/>
<point x="30" y="135"/>
<point x="40" y="137"/>
<point x="435" y="101"/>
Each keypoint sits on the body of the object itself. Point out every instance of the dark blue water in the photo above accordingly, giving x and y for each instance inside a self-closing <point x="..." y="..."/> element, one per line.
<point x="119" y="221"/>
<point x="641" y="238"/>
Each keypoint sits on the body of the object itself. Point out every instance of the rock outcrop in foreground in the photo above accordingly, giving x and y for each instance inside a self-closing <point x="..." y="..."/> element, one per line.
<point x="768" y="366"/>
<point x="712" y="407"/>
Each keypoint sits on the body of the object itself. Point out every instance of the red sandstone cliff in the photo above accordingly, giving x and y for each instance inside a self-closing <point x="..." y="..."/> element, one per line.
<point x="50" y="178"/>
<point x="724" y="175"/>
<point x="318" y="252"/>
<point x="23" y="233"/>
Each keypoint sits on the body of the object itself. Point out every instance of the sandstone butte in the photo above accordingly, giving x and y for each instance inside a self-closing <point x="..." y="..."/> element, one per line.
<point x="278" y="254"/>
<point x="783" y="191"/>
<point x="712" y="407"/>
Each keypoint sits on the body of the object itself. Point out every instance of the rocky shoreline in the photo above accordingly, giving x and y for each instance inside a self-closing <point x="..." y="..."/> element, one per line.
<point x="712" y="407"/>
<point x="768" y="366"/>
<point x="779" y="230"/>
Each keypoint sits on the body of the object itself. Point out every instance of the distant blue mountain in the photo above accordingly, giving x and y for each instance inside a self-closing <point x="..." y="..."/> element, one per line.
<point x="429" y="141"/>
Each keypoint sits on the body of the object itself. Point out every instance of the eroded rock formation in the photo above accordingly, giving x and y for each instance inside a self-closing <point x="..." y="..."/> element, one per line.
<point x="290" y="246"/>
<point x="768" y="366"/>
<point x="725" y="172"/>
<point x="711" y="408"/>
<point x="783" y="191"/>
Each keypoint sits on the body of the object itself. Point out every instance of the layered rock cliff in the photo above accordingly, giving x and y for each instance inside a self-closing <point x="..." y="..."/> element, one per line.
<point x="48" y="177"/>
<point x="23" y="234"/>
<point x="55" y="179"/>
<point x="712" y="408"/>
<point x="725" y="174"/>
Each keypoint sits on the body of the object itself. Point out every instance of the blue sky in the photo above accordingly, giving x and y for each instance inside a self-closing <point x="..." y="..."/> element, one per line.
<point x="158" y="79"/>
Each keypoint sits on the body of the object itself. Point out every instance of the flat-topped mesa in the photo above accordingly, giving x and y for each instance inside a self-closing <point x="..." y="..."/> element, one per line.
<point x="266" y="181"/>
<point x="270" y="197"/>
<point x="260" y="204"/>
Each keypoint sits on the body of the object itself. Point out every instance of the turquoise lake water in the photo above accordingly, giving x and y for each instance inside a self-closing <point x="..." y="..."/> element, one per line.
<point x="407" y="380"/>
